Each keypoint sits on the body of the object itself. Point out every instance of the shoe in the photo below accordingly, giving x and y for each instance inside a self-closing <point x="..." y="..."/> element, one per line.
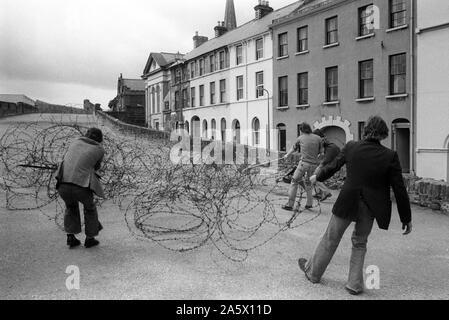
<point x="91" y="242"/>
<point x="327" y="196"/>
<point x="302" y="265"/>
<point x="353" y="292"/>
<point x="288" y="208"/>
<point x="72" y="242"/>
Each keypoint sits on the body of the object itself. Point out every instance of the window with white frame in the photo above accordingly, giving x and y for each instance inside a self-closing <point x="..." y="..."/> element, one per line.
<point x="201" y="67"/>
<point x="259" y="84"/>
<point x="283" y="91"/>
<point x="212" y="93"/>
<point x="398" y="13"/>
<point x="283" y="44"/>
<point x="365" y="20"/>
<point x="239" y="88"/>
<point x="201" y="95"/>
<point x="239" y="55"/>
<point x="222" y="91"/>
<point x="331" y="30"/>
<point x="212" y="63"/>
<point x="192" y="97"/>
<point x="303" y="34"/>
<point x="222" y="61"/>
<point x="331" y="84"/>
<point x="259" y="48"/>
<point x="256" y="131"/>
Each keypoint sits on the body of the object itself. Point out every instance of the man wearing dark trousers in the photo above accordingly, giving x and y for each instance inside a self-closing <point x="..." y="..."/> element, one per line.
<point x="365" y="196"/>
<point x="77" y="182"/>
<point x="331" y="151"/>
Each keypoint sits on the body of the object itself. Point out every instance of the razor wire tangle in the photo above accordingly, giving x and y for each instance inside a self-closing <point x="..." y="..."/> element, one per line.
<point x="181" y="207"/>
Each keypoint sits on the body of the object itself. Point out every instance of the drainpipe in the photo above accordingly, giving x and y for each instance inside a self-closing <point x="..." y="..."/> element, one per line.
<point x="246" y="92"/>
<point x="412" y="93"/>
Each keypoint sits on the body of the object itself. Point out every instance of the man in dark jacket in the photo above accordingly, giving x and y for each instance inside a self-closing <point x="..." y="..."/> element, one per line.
<point x="77" y="182"/>
<point x="371" y="170"/>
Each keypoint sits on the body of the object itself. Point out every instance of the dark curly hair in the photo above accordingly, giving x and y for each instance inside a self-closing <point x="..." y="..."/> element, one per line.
<point x="305" y="128"/>
<point x="319" y="133"/>
<point x="95" y="134"/>
<point x="375" y="129"/>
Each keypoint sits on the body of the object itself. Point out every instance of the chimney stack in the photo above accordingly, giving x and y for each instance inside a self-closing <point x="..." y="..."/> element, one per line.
<point x="220" y="29"/>
<point x="262" y="9"/>
<point x="199" y="40"/>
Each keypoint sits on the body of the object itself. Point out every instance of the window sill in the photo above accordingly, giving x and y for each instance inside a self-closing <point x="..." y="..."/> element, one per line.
<point x="370" y="99"/>
<point x="331" y="103"/>
<point x="282" y="108"/>
<point x="327" y="46"/>
<point x="371" y="35"/>
<point x="301" y="52"/>
<point x="303" y="106"/>
<point x="397" y="96"/>
<point x="282" y="58"/>
<point x="405" y="26"/>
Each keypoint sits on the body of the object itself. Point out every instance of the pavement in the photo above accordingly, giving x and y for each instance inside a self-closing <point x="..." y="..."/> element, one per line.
<point x="34" y="260"/>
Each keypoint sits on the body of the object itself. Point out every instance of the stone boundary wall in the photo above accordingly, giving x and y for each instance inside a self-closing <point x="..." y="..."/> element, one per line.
<point x="428" y="193"/>
<point x="126" y="128"/>
<point x="241" y="154"/>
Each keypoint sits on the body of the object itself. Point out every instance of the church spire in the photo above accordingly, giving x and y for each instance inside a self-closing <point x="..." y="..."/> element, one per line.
<point x="230" y="21"/>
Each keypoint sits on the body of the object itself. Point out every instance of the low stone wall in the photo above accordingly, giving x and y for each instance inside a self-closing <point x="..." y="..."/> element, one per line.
<point x="429" y="193"/>
<point x="126" y="128"/>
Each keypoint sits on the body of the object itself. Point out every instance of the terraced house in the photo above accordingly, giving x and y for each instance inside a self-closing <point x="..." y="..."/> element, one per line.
<point x="157" y="77"/>
<point x="224" y="87"/>
<point x="336" y="62"/>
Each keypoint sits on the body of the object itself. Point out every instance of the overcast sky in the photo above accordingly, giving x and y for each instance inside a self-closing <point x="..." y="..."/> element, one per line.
<point x="63" y="51"/>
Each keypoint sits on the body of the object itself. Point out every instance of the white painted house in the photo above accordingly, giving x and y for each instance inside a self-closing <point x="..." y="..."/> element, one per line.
<point x="432" y="105"/>
<point x="231" y="80"/>
<point x="157" y="89"/>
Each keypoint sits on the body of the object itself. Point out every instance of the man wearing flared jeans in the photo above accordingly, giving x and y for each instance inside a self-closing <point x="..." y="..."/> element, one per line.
<point x="72" y="195"/>
<point x="372" y="170"/>
<point x="316" y="266"/>
<point x="310" y="146"/>
<point x="303" y="170"/>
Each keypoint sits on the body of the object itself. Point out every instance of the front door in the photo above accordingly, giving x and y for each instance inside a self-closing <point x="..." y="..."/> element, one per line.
<point x="401" y="144"/>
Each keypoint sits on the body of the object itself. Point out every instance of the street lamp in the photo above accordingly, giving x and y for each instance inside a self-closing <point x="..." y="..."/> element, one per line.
<point x="268" y="123"/>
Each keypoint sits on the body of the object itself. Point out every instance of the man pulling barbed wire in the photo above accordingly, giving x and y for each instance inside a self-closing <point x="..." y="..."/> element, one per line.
<point x="77" y="182"/>
<point x="310" y="147"/>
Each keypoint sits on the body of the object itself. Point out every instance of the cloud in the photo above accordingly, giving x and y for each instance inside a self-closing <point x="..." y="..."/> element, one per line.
<point x="90" y="42"/>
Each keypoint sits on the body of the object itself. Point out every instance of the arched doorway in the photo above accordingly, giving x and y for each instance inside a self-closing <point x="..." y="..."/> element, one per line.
<point x="205" y="134"/>
<point x="196" y="127"/>
<point x="236" y="131"/>
<point x="223" y="129"/>
<point x="282" y="137"/>
<point x="400" y="142"/>
<point x="213" y="128"/>
<point x="256" y="131"/>
<point x="335" y="135"/>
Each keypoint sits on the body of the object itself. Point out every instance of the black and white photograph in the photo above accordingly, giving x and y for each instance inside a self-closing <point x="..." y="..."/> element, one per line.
<point x="234" y="152"/>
